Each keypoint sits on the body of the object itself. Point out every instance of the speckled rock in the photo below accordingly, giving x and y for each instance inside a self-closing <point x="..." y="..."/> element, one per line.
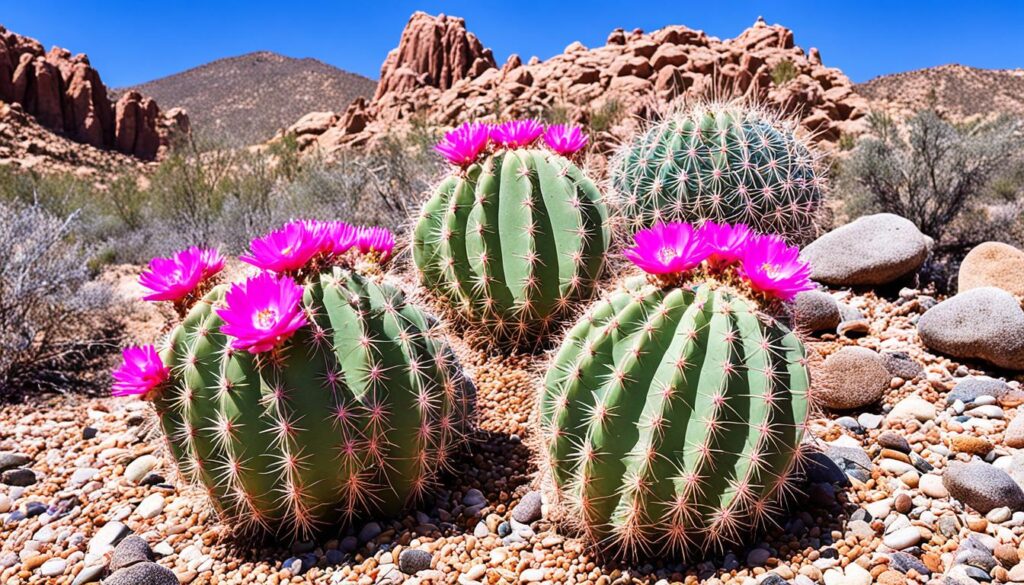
<point x="900" y="364"/>
<point x="872" y="250"/>
<point x="853" y="377"/>
<point x="815" y="310"/>
<point x="982" y="486"/>
<point x="131" y="550"/>
<point x="969" y="389"/>
<point x="984" y="323"/>
<point x="142" y="574"/>
<point x="993" y="264"/>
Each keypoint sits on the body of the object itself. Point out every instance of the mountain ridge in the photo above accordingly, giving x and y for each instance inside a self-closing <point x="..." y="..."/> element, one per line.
<point x="222" y="95"/>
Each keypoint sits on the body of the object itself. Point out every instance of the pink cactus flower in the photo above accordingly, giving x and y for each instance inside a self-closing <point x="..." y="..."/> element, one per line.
<point x="565" y="140"/>
<point x="174" y="278"/>
<point x="287" y="249"/>
<point x="375" y="239"/>
<point x="725" y="242"/>
<point x="339" y="237"/>
<point x="516" y="133"/>
<point x="775" y="268"/>
<point x="672" y="248"/>
<point x="464" y="144"/>
<point x="262" y="312"/>
<point x="141" y="372"/>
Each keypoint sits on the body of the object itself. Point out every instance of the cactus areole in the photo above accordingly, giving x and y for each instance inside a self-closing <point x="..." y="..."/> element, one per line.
<point x="673" y="415"/>
<point x="720" y="162"/>
<point x="516" y="236"/>
<point x="305" y="399"/>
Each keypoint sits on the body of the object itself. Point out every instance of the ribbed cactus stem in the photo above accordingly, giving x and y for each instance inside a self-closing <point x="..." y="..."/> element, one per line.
<point x="673" y="419"/>
<point x="720" y="162"/>
<point x="513" y="243"/>
<point x="355" y="414"/>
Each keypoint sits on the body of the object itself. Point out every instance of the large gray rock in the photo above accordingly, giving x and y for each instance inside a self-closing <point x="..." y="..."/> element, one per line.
<point x="982" y="486"/>
<point x="984" y="323"/>
<point x="133" y="549"/>
<point x="873" y="250"/>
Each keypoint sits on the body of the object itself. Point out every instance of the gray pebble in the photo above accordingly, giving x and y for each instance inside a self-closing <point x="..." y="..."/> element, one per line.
<point x="528" y="509"/>
<point x="131" y="550"/>
<point x="413" y="560"/>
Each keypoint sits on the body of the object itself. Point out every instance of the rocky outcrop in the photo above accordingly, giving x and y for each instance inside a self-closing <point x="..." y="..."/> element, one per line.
<point x="433" y="52"/>
<point x="66" y="95"/>
<point x="441" y="74"/>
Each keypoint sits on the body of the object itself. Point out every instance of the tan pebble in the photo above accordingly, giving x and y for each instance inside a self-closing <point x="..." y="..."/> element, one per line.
<point x="34" y="561"/>
<point x="893" y="454"/>
<point x="1000" y="574"/>
<point x="977" y="524"/>
<point x="970" y="444"/>
<point x="910" y="479"/>
<point x="1007" y="555"/>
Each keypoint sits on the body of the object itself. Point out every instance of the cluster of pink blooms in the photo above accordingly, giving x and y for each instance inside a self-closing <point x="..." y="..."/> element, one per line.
<point x="295" y="244"/>
<point x="463" y="145"/>
<point x="174" y="278"/>
<point x="766" y="262"/>
<point x="260" y="313"/>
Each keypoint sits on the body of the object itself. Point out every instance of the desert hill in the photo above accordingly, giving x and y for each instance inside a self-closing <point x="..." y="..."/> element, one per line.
<point x="246" y="99"/>
<point x="955" y="90"/>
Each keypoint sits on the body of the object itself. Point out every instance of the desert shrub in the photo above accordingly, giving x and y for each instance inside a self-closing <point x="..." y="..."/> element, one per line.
<point x="783" y="72"/>
<point x="55" y="326"/>
<point x="607" y="115"/>
<point x="955" y="182"/>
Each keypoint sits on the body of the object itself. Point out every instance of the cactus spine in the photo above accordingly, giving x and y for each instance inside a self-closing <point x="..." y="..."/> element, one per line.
<point x="673" y="419"/>
<point x="720" y="162"/>
<point x="355" y="414"/>
<point x="513" y="242"/>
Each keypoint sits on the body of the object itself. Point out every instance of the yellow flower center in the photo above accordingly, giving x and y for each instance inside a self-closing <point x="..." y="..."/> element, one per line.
<point x="266" y="318"/>
<point x="774" y="271"/>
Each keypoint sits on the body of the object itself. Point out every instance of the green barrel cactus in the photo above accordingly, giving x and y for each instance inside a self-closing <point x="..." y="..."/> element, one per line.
<point x="725" y="163"/>
<point x="513" y="241"/>
<point x="355" y="415"/>
<point x="673" y="418"/>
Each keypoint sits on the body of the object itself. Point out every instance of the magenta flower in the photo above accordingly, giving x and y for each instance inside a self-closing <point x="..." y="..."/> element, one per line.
<point x="672" y="248"/>
<point x="516" y="133"/>
<point x="375" y="239"/>
<point x="725" y="242"/>
<point x="339" y="237"/>
<point x="287" y="249"/>
<point x="262" y="312"/>
<point x="565" y="140"/>
<point x="174" y="278"/>
<point x="775" y="268"/>
<point x="464" y="144"/>
<point x="141" y="372"/>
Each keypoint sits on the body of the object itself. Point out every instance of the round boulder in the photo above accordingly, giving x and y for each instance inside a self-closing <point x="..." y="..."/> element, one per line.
<point x="982" y="486"/>
<point x="993" y="264"/>
<point x="815" y="310"/>
<point x="853" y="377"/>
<point x="870" y="251"/>
<point x="984" y="323"/>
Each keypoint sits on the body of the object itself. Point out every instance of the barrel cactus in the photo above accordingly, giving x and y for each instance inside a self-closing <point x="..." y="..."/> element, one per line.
<point x="516" y="236"/>
<point x="673" y="411"/>
<point x="720" y="162"/>
<point x="308" y="394"/>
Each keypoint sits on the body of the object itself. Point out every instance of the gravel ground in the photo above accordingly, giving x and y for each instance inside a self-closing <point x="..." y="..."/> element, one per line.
<point x="96" y="474"/>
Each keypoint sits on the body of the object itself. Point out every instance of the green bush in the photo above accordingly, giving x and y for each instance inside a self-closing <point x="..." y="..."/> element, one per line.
<point x="959" y="183"/>
<point x="783" y="72"/>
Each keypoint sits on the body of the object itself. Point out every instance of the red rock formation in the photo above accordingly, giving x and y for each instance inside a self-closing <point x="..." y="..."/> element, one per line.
<point x="443" y="72"/>
<point x="66" y="95"/>
<point x="433" y="52"/>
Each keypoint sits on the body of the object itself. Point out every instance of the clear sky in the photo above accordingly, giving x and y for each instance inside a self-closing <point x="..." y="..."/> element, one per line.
<point x="132" y="42"/>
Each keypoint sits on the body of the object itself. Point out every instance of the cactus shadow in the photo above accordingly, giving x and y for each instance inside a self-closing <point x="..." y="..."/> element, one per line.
<point x="804" y="529"/>
<point x="499" y="465"/>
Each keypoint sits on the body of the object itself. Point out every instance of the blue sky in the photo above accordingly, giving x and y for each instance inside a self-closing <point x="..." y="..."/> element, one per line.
<point x="132" y="42"/>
